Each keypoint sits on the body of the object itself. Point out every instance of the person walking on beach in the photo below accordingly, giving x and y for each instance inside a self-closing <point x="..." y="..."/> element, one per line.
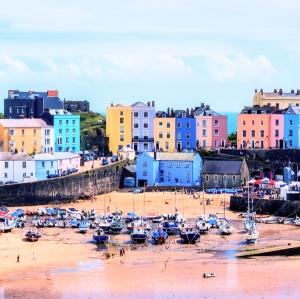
<point x="18" y="258"/>
<point x="121" y="252"/>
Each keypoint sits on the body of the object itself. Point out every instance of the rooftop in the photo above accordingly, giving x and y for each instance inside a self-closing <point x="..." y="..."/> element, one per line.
<point x="23" y="123"/>
<point x="7" y="156"/>
<point x="55" y="156"/>
<point x="59" y="112"/>
<point x="222" y="166"/>
<point x="176" y="156"/>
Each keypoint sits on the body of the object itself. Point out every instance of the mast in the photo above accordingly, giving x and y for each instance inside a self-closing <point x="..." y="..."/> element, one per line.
<point x="144" y="199"/>
<point x="225" y="195"/>
<point x="203" y="199"/>
<point x="175" y="201"/>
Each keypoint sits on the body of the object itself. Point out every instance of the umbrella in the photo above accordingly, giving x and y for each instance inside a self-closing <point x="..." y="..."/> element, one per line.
<point x="251" y="182"/>
<point x="271" y="182"/>
<point x="258" y="182"/>
<point x="265" y="180"/>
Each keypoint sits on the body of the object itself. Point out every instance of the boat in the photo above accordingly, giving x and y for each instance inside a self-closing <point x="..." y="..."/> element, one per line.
<point x="252" y="236"/>
<point x="104" y="224"/>
<point x="208" y="275"/>
<point x="74" y="223"/>
<point x="203" y="225"/>
<point x="224" y="227"/>
<point x="6" y="224"/>
<point x="189" y="235"/>
<point x="171" y="227"/>
<point x="115" y="227"/>
<point x="139" y="235"/>
<point x="84" y="226"/>
<point x="3" y="211"/>
<point x="213" y="220"/>
<point x="159" y="236"/>
<point x="32" y="235"/>
<point x="297" y="221"/>
<point x="100" y="237"/>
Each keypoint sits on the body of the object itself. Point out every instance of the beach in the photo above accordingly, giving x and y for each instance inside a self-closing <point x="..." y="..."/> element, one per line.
<point x="66" y="264"/>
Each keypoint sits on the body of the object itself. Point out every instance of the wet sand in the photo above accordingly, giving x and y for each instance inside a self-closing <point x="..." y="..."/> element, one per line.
<point x="65" y="264"/>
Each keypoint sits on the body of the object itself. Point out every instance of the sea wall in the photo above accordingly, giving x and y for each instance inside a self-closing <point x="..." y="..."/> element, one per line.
<point x="64" y="189"/>
<point x="261" y="206"/>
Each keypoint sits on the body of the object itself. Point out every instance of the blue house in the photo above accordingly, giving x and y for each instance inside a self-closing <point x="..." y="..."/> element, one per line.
<point x="185" y="130"/>
<point x="66" y="130"/>
<point x="291" y="127"/>
<point x="169" y="169"/>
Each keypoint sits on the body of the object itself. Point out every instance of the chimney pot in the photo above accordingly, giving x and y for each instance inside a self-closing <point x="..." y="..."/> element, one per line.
<point x="292" y="91"/>
<point x="153" y="103"/>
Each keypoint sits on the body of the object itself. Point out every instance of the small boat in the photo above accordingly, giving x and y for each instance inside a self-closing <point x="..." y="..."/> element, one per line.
<point x="100" y="237"/>
<point x="130" y="217"/>
<point x="189" y="236"/>
<point x="6" y="224"/>
<point x="171" y="227"/>
<point x="203" y="225"/>
<point x="139" y="235"/>
<point x="213" y="220"/>
<point x="105" y="225"/>
<point x="159" y="236"/>
<point x="84" y="226"/>
<point x="208" y="275"/>
<point x="252" y="236"/>
<point x="74" y="223"/>
<point x="225" y="228"/>
<point x="32" y="235"/>
<point x="115" y="227"/>
<point x="249" y="224"/>
<point x="3" y="211"/>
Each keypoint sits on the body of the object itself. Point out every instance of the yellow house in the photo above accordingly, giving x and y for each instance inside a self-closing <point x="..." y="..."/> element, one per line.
<point x="24" y="135"/>
<point x="118" y="127"/>
<point x="164" y="132"/>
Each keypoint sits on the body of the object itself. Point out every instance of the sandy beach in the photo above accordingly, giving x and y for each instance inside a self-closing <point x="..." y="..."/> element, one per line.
<point x="66" y="264"/>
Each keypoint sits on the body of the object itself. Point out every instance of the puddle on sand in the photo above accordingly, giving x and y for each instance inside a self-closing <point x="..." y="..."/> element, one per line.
<point x="81" y="266"/>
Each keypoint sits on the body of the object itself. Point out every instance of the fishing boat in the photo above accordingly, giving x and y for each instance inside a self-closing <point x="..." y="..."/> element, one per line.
<point x="104" y="224"/>
<point x="171" y="227"/>
<point x="159" y="236"/>
<point x="203" y="225"/>
<point x="6" y="224"/>
<point x="225" y="228"/>
<point x="116" y="226"/>
<point x="213" y="220"/>
<point x="139" y="235"/>
<point x="74" y="223"/>
<point x="84" y="226"/>
<point x="3" y="211"/>
<point x="100" y="237"/>
<point x="189" y="235"/>
<point x="32" y="235"/>
<point x="252" y="236"/>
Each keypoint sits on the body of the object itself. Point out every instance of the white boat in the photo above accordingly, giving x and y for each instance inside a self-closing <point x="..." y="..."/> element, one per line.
<point x="203" y="225"/>
<point x="297" y="221"/>
<point x="225" y="228"/>
<point x="6" y="225"/>
<point x="252" y="236"/>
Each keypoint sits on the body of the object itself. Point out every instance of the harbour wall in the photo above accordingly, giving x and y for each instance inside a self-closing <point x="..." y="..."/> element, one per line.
<point x="83" y="185"/>
<point x="275" y="207"/>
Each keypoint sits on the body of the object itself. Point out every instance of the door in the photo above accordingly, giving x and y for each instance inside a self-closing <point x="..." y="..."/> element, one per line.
<point x="135" y="146"/>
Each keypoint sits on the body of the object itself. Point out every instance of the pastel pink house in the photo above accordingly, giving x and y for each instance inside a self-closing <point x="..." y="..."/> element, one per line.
<point x="211" y="128"/>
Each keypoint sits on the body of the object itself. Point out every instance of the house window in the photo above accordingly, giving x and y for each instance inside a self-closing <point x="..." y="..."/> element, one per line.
<point x="206" y="178"/>
<point x="135" y="114"/>
<point x="67" y="122"/>
<point x="43" y="164"/>
<point x="145" y="125"/>
<point x="146" y="115"/>
<point x="24" y="164"/>
<point x="215" y="178"/>
<point x="188" y="135"/>
<point x="204" y="132"/>
<point x="145" y="164"/>
<point x="216" y="122"/>
<point x="60" y="122"/>
<point x="244" y="123"/>
<point x="291" y="142"/>
<point x="160" y="135"/>
<point x="168" y="125"/>
<point x="168" y="135"/>
<point x="252" y="122"/>
<point x="188" y="145"/>
<point x="5" y="175"/>
<point x="178" y="125"/>
<point x="121" y="129"/>
<point x="11" y="132"/>
<point x="67" y="131"/>
<point x="73" y="131"/>
<point x="51" y="163"/>
<point x="276" y="133"/>
<point x="277" y="122"/>
<point x="145" y="146"/>
<point x="291" y="122"/>
<point x="73" y="121"/>
<point x="262" y="133"/>
<point x="121" y="120"/>
<point x="135" y="125"/>
<point x="204" y="123"/>
<point x="291" y="133"/>
<point x="187" y="165"/>
<point x="216" y="132"/>
<point x="73" y="140"/>
<point x="24" y="175"/>
<point x="233" y="178"/>
<point x="145" y="172"/>
<point x="160" y="124"/>
<point x="244" y="133"/>
<point x="170" y="164"/>
<point x="167" y="145"/>
<point x="262" y="122"/>
<point x="67" y="139"/>
<point x="253" y="133"/>
<point x="179" y="136"/>
<point x="178" y="164"/>
<point x="121" y="137"/>
<point x="6" y="164"/>
<point x="23" y="132"/>
<point x="121" y="113"/>
<point x="188" y="125"/>
<point x="60" y="131"/>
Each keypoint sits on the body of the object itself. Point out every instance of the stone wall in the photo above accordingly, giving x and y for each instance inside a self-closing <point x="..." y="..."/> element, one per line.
<point x="261" y="206"/>
<point x="64" y="189"/>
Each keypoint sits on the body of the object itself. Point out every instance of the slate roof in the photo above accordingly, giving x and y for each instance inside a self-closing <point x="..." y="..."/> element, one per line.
<point x="292" y="110"/>
<point x="176" y="156"/>
<point x="7" y="156"/>
<point x="55" y="156"/>
<point x="205" y="112"/>
<point x="222" y="166"/>
<point x="23" y="123"/>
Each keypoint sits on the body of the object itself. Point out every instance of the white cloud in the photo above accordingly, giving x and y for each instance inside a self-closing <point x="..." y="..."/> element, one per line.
<point x="13" y="64"/>
<point x="240" y="67"/>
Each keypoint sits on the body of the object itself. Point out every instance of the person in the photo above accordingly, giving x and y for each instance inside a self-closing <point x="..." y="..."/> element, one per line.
<point x="121" y="252"/>
<point x="18" y="258"/>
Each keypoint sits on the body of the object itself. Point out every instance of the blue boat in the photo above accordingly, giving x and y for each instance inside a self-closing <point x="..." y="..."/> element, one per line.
<point x="84" y="226"/>
<point x="116" y="226"/>
<point x="139" y="235"/>
<point x="100" y="237"/>
<point x="159" y="236"/>
<point x="171" y="227"/>
<point x="189" y="236"/>
<point x="130" y="217"/>
<point x="74" y="223"/>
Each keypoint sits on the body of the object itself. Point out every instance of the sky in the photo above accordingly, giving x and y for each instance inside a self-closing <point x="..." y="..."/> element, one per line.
<point x="178" y="53"/>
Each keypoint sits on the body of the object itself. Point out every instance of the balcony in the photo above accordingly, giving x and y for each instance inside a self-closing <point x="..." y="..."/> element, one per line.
<point x="142" y="139"/>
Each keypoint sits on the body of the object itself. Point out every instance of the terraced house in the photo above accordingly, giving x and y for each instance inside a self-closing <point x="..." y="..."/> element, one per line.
<point x="26" y="135"/>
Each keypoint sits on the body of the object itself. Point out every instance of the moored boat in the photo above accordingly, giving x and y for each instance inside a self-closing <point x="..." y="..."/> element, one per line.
<point x="171" y="227"/>
<point x="100" y="237"/>
<point x="139" y="235"/>
<point x="203" y="225"/>
<point x="32" y="235"/>
<point x="159" y="236"/>
<point x="189" y="236"/>
<point x="84" y="226"/>
<point x="252" y="236"/>
<point x="225" y="228"/>
<point x="6" y="224"/>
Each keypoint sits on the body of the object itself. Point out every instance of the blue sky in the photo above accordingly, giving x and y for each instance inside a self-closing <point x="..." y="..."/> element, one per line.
<point x="177" y="52"/>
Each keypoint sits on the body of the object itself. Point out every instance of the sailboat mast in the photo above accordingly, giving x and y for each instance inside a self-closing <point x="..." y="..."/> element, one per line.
<point x="203" y="199"/>
<point x="144" y="199"/>
<point x="225" y="194"/>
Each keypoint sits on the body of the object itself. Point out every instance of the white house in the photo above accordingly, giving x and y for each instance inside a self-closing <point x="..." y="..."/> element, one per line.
<point x="55" y="163"/>
<point x="127" y="153"/>
<point x="16" y="167"/>
<point x="47" y="142"/>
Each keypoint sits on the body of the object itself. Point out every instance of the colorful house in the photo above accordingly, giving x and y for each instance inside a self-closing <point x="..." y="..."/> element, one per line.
<point x="164" y="131"/>
<point x="169" y="169"/>
<point x="211" y="128"/>
<point x="66" y="130"/>
<point x="16" y="168"/>
<point x="26" y="135"/>
<point x="55" y="163"/>
<point x="291" y="127"/>
<point x="185" y="134"/>
<point x="260" y="127"/>
<point x="142" y="126"/>
<point x="119" y="127"/>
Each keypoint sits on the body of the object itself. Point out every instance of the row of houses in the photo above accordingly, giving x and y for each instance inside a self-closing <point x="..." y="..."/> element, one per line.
<point x="35" y="122"/>
<point x="162" y="169"/>
<point x="21" y="167"/>
<point x="144" y="129"/>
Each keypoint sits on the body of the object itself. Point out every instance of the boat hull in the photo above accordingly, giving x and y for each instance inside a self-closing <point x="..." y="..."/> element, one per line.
<point x="139" y="238"/>
<point x="190" y="238"/>
<point x="101" y="239"/>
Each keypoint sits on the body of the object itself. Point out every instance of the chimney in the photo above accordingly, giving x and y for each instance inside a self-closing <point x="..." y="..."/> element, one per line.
<point x="261" y="91"/>
<point x="255" y="90"/>
<point x="280" y="91"/>
<point x="202" y="105"/>
<point x="148" y="104"/>
<point x="112" y="104"/>
<point x="187" y="112"/>
<point x="275" y="90"/>
<point x="207" y="107"/>
<point x="292" y="91"/>
<point x="153" y="103"/>
<point x="168" y="111"/>
<point x="298" y="92"/>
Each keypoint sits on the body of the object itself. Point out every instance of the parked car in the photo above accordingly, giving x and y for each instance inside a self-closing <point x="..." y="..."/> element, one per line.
<point x="10" y="182"/>
<point x="52" y="176"/>
<point x="105" y="162"/>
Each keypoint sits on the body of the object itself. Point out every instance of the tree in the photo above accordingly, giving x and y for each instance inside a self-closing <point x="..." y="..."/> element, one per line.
<point x="1" y="115"/>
